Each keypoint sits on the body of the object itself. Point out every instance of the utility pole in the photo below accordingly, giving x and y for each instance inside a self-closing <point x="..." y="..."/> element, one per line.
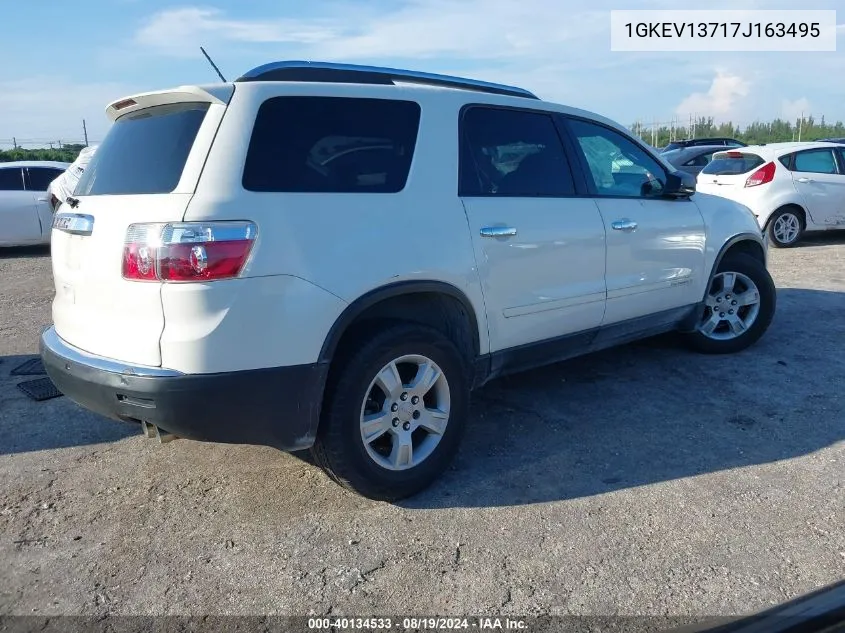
<point x="672" y="129"/>
<point x="85" y="132"/>
<point x="800" y="125"/>
<point x="15" y="142"/>
<point x="653" y="132"/>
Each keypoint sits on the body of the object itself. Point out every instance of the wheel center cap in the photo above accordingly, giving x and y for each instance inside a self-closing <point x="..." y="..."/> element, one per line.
<point x="405" y="412"/>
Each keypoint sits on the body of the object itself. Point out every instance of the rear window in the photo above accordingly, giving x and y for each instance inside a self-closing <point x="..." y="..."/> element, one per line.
<point x="331" y="145"/>
<point x="144" y="152"/>
<point x="732" y="164"/>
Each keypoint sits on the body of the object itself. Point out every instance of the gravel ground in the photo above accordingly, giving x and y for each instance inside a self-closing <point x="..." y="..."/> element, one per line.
<point x="643" y="480"/>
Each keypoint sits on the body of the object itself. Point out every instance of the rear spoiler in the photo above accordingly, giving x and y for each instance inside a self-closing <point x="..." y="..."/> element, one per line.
<point x="219" y="94"/>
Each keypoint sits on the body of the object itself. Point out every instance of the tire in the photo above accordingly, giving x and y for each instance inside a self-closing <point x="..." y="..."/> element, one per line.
<point x="785" y="227"/>
<point x="716" y="331"/>
<point x="379" y="469"/>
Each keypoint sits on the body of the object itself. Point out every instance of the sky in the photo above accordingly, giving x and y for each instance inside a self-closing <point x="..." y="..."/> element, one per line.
<point x="66" y="61"/>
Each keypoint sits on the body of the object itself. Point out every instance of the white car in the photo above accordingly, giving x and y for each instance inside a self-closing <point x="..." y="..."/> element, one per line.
<point x="332" y="256"/>
<point x="25" y="213"/>
<point x="792" y="188"/>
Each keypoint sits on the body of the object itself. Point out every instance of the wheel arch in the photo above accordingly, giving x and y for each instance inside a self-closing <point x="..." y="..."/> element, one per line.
<point x="786" y="205"/>
<point x="750" y="244"/>
<point x="396" y="299"/>
<point x="747" y="243"/>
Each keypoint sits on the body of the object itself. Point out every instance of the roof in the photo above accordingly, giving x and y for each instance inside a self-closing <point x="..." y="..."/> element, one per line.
<point x="35" y="163"/>
<point x="699" y="149"/>
<point x="680" y="155"/>
<point x="781" y="148"/>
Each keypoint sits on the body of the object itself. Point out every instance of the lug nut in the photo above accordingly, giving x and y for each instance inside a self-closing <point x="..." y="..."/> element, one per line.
<point x="416" y="415"/>
<point x="730" y="311"/>
<point x="733" y="303"/>
<point x="728" y="297"/>
<point x="395" y="421"/>
<point x="394" y="407"/>
<point x="404" y="396"/>
<point x="406" y="426"/>
<point x="721" y="314"/>
<point x="415" y="400"/>
<point x="718" y="299"/>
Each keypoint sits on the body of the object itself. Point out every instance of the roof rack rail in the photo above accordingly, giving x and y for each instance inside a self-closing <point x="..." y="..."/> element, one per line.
<point x="295" y="70"/>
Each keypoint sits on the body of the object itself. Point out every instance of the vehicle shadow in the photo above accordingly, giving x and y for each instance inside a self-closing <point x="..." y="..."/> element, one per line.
<point x="825" y="238"/>
<point x="651" y="412"/>
<point x="27" y="425"/>
<point x="13" y="252"/>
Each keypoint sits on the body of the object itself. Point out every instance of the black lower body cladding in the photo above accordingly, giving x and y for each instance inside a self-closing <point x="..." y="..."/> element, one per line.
<point x="278" y="407"/>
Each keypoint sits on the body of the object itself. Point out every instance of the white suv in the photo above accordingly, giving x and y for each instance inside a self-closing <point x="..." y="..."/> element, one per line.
<point x="333" y="256"/>
<point x="792" y="188"/>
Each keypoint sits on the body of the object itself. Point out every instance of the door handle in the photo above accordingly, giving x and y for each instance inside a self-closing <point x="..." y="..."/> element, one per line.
<point x="803" y="179"/>
<point x="624" y="225"/>
<point x="498" y="231"/>
<point x="42" y="199"/>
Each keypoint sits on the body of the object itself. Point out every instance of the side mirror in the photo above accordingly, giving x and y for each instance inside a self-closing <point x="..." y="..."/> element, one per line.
<point x="679" y="184"/>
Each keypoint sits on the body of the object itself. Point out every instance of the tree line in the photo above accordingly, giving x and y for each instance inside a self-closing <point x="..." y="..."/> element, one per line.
<point x="776" y="131"/>
<point x="66" y="154"/>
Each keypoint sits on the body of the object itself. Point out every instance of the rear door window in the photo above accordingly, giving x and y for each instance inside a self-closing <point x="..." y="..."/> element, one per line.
<point x="816" y="161"/>
<point x="331" y="145"/>
<point x="144" y="152"/>
<point x="512" y="153"/>
<point x="41" y="177"/>
<point x="732" y="164"/>
<point x="11" y="179"/>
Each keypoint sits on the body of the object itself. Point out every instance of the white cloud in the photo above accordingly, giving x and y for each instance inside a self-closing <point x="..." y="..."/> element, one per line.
<point x="472" y="29"/>
<point x="182" y="31"/>
<point x="50" y="108"/>
<point x="792" y="110"/>
<point x="722" y="101"/>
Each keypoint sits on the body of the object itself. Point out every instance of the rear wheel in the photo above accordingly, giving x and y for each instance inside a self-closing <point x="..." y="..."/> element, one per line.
<point x="395" y="413"/>
<point x="785" y="227"/>
<point x="739" y="306"/>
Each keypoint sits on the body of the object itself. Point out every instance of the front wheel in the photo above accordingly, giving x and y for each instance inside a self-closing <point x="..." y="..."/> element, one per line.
<point x="395" y="413"/>
<point x="738" y="308"/>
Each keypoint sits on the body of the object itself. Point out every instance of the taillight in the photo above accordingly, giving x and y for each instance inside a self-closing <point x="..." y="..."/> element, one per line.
<point x="763" y="175"/>
<point x="187" y="251"/>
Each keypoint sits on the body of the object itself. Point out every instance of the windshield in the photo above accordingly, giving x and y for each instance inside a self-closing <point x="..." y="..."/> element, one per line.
<point x="144" y="152"/>
<point x="732" y="164"/>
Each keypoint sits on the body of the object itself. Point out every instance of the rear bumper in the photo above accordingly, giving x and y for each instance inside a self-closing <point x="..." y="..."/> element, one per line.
<point x="278" y="407"/>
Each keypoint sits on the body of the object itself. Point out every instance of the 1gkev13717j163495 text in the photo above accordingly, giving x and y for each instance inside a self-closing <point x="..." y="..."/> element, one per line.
<point x="723" y="29"/>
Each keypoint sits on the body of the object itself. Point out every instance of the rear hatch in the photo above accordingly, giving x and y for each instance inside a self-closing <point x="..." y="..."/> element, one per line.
<point x="145" y="171"/>
<point x="726" y="175"/>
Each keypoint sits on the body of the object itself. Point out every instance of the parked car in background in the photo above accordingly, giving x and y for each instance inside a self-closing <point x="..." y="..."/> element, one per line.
<point x="217" y="278"/>
<point x="691" y="159"/>
<point x="692" y="142"/>
<point x="63" y="186"/>
<point x="792" y="188"/>
<point x="25" y="212"/>
<point x="840" y="141"/>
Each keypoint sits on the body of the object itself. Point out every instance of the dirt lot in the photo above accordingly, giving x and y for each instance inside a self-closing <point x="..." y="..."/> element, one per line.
<point x="643" y="480"/>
